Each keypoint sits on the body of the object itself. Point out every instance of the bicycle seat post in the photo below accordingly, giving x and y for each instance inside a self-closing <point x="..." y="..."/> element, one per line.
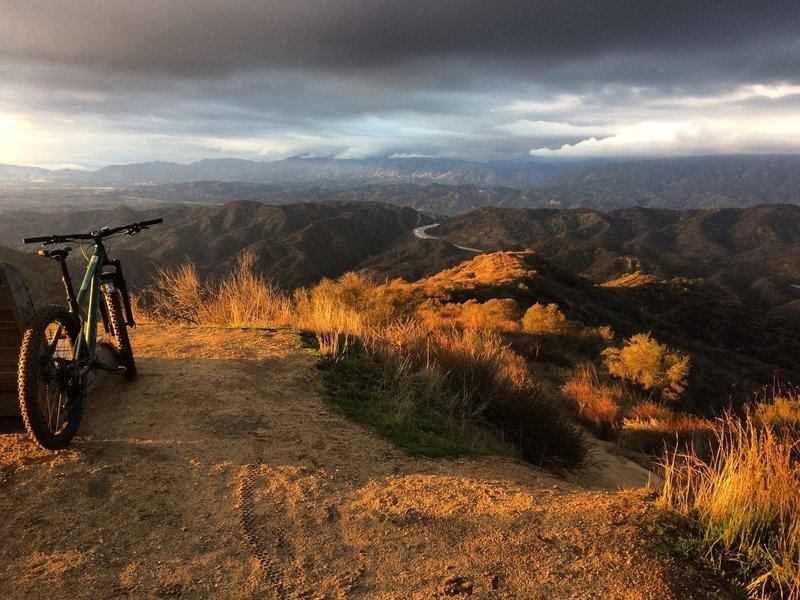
<point x="67" y="281"/>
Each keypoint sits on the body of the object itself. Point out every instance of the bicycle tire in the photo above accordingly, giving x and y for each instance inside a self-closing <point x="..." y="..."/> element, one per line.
<point x="51" y="400"/>
<point x="119" y="330"/>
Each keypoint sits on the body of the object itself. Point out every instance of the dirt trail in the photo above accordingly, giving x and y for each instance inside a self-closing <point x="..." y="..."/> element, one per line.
<point x="220" y="473"/>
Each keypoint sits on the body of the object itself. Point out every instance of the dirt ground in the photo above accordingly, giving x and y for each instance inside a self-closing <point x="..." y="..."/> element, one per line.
<point x="219" y="472"/>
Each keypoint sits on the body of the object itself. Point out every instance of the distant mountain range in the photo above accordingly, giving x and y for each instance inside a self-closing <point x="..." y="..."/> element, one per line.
<point x="436" y="186"/>
<point x="307" y="172"/>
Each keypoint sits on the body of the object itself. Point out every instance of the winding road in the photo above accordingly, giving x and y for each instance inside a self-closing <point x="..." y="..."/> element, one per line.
<point x="422" y="233"/>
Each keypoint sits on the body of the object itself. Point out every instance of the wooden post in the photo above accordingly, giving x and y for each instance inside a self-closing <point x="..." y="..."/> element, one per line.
<point x="16" y="310"/>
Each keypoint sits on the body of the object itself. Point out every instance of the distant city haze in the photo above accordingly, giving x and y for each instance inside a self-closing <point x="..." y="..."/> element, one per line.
<point x="87" y="84"/>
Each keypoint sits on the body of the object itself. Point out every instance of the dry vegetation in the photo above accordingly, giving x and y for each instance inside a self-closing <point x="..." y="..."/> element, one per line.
<point x="442" y="368"/>
<point x="428" y="373"/>
<point x="745" y="503"/>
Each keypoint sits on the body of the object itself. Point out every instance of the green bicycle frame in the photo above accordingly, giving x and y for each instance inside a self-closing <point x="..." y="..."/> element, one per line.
<point x="91" y="285"/>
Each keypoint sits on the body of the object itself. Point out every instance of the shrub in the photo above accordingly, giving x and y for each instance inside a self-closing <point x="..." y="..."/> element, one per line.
<point x="545" y="319"/>
<point x="493" y="382"/>
<point x="596" y="402"/>
<point x="495" y="314"/>
<point x="653" y="366"/>
<point x="782" y="413"/>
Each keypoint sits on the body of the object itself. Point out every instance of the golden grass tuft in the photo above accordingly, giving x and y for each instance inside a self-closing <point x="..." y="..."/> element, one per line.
<point x="243" y="299"/>
<point x="746" y="500"/>
<point x="651" y="428"/>
<point x="597" y="403"/>
<point x="246" y="299"/>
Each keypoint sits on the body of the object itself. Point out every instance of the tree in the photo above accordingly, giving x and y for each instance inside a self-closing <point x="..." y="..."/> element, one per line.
<point x="643" y="361"/>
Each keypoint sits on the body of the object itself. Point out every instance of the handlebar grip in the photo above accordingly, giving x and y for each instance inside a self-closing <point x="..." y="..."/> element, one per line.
<point x="33" y="240"/>
<point x="151" y="222"/>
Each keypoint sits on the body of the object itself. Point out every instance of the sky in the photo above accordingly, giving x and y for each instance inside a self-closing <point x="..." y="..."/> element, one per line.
<point x="87" y="83"/>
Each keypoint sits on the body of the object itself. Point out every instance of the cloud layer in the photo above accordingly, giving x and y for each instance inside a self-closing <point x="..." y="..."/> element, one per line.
<point x="95" y="82"/>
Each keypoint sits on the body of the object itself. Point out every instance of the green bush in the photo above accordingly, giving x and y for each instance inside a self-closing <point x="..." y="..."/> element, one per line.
<point x="649" y="364"/>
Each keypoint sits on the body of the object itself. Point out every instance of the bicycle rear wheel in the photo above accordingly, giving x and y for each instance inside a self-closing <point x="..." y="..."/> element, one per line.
<point x="119" y="329"/>
<point x="50" y="388"/>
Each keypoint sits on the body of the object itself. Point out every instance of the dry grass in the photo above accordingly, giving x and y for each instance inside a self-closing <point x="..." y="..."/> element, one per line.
<point x="652" y="428"/>
<point x="495" y="314"/>
<point x="177" y="296"/>
<point x="746" y="500"/>
<point x="246" y="299"/>
<point x="242" y="299"/>
<point x="596" y="402"/>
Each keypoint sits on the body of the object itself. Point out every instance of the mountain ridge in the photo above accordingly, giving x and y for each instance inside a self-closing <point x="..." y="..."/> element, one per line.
<point x="436" y="186"/>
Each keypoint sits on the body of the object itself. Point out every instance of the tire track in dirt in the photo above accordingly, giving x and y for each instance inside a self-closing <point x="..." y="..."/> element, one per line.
<point x="260" y="538"/>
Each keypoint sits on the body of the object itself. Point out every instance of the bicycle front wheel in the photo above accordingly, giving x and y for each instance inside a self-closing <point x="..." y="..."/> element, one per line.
<point x="119" y="329"/>
<point x="51" y="390"/>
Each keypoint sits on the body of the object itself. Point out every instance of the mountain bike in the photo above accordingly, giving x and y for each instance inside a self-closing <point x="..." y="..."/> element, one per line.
<point x="57" y="353"/>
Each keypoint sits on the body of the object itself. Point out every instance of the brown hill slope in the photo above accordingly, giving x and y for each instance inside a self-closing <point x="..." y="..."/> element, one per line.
<point x="220" y="473"/>
<point x="736" y="348"/>
<point x="294" y="245"/>
<point x="752" y="254"/>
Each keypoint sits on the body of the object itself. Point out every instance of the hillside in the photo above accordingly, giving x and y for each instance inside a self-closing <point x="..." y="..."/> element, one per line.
<point x="731" y="355"/>
<point x="751" y="254"/>
<point x="294" y="245"/>
<point x="306" y="172"/>
<point x="680" y="183"/>
<point x="220" y="473"/>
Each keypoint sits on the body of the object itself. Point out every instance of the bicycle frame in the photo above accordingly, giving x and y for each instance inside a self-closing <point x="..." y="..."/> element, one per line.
<point x="88" y="312"/>
<point x="91" y="285"/>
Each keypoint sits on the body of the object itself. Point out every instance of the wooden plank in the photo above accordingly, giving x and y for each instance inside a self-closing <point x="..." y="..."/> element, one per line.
<point x="10" y="336"/>
<point x="8" y="380"/>
<point x="14" y="294"/>
<point x="16" y="310"/>
<point x="9" y="404"/>
<point x="8" y="366"/>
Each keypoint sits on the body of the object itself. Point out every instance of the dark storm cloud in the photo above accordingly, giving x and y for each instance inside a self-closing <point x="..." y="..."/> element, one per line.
<point x="453" y="77"/>
<point x="200" y="37"/>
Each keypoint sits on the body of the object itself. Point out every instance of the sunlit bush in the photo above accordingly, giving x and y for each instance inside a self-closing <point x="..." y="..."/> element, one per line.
<point x="540" y="318"/>
<point x="649" y="364"/>
<point x="495" y="314"/>
<point x="783" y="412"/>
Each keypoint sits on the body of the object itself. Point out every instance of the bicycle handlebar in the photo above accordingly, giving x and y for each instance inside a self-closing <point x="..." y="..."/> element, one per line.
<point x="96" y="235"/>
